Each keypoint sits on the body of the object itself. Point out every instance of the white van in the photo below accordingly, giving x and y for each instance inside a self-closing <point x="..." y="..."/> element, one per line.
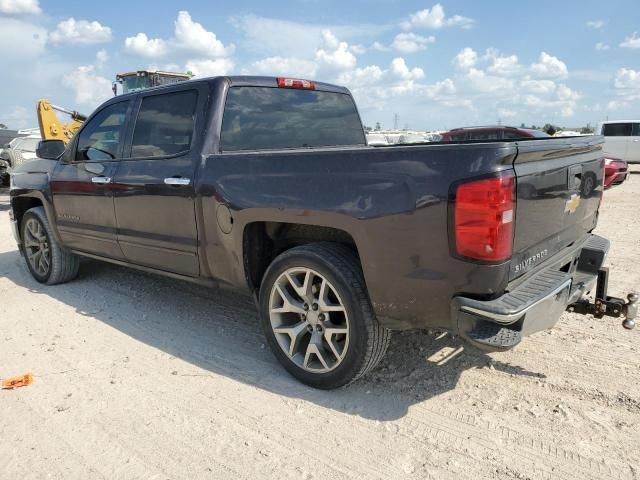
<point x="622" y="138"/>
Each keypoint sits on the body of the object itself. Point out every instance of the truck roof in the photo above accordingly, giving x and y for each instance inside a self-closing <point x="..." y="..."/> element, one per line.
<point x="251" y="81"/>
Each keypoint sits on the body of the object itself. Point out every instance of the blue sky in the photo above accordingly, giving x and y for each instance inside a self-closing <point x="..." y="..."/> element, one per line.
<point x="436" y="65"/>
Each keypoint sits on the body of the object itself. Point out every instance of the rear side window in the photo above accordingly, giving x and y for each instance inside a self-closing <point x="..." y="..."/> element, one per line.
<point x="616" y="129"/>
<point x="164" y="125"/>
<point x="264" y="118"/>
<point x="459" y="137"/>
<point x="484" y="135"/>
<point x="636" y="130"/>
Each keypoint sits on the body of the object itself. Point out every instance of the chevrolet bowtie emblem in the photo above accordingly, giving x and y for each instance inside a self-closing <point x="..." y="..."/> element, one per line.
<point x="572" y="203"/>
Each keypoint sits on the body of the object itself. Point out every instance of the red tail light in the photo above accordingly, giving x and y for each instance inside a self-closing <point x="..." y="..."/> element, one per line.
<point x="484" y="216"/>
<point x="295" y="83"/>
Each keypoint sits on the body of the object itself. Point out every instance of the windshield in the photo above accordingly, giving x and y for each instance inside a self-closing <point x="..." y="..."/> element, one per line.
<point x="134" y="83"/>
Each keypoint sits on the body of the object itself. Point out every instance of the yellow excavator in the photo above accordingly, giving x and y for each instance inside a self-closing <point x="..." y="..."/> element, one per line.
<point x="51" y="128"/>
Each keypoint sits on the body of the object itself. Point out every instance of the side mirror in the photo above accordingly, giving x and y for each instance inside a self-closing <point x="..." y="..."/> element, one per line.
<point x="50" y="149"/>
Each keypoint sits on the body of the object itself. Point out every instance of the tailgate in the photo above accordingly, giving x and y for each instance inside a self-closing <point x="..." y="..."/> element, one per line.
<point x="559" y="187"/>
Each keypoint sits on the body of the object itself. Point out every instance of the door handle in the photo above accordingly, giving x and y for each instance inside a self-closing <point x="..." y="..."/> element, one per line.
<point x="177" y="181"/>
<point x="101" y="180"/>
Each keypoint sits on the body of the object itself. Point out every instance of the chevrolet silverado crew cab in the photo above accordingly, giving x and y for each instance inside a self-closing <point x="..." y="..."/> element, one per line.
<point x="267" y="184"/>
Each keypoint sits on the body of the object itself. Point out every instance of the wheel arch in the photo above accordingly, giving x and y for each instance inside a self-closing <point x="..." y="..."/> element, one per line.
<point x="22" y="203"/>
<point x="262" y="241"/>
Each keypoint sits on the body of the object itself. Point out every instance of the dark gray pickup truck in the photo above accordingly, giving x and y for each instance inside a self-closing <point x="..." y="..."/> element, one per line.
<point x="267" y="184"/>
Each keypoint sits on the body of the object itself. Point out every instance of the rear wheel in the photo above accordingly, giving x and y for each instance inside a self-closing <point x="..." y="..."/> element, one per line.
<point x="317" y="316"/>
<point x="47" y="261"/>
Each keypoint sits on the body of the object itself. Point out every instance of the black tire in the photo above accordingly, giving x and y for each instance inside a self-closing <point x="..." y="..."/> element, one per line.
<point x="63" y="265"/>
<point x="368" y="341"/>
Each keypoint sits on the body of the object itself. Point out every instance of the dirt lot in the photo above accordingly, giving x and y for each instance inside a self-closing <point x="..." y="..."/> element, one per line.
<point x="144" y="377"/>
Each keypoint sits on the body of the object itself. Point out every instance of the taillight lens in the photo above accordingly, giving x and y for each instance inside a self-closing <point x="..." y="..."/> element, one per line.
<point x="295" y="83"/>
<point x="484" y="216"/>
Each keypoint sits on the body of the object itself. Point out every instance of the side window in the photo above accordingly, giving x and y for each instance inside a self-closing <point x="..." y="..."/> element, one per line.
<point x="100" y="138"/>
<point x="459" y="137"/>
<point x="484" y="135"/>
<point x="636" y="130"/>
<point x="164" y="125"/>
<point x="616" y="129"/>
<point x="512" y="135"/>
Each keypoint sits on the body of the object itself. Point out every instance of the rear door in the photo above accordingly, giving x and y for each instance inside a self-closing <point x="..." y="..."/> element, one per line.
<point x="81" y="184"/>
<point x="617" y="138"/>
<point x="154" y="202"/>
<point x="559" y="187"/>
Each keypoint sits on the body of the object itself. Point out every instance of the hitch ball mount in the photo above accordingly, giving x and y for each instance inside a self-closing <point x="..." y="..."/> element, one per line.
<point x="604" y="305"/>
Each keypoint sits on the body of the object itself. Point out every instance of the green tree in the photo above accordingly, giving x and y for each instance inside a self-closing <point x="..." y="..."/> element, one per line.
<point x="3" y="126"/>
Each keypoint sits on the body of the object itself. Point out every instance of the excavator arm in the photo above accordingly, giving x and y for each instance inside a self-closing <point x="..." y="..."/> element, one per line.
<point x="51" y="128"/>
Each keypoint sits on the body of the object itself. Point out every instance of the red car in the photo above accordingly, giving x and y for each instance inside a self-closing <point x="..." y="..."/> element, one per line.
<point x="616" y="171"/>
<point x="490" y="133"/>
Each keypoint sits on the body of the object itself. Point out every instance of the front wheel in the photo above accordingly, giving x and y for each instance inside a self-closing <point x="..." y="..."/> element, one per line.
<point x="318" y="318"/>
<point x="48" y="262"/>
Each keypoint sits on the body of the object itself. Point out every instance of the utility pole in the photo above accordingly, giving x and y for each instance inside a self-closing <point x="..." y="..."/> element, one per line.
<point x="395" y="122"/>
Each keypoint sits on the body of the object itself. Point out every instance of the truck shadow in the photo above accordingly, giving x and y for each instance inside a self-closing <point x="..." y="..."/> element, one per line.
<point x="217" y="330"/>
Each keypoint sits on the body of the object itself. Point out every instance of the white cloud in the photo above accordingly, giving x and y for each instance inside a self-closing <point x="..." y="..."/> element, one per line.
<point x="597" y="24"/>
<point x="102" y="57"/>
<point x="210" y="68"/>
<point x="271" y="37"/>
<point x="435" y="18"/>
<point x="465" y="59"/>
<point x="380" y="47"/>
<point x="503" y="65"/>
<point x="369" y="75"/>
<point x="335" y="54"/>
<point x="290" y="67"/>
<point x="90" y="88"/>
<point x="18" y="117"/>
<point x="189" y="38"/>
<point x="601" y="47"/>
<point x="411" y="43"/>
<point x="20" y="7"/>
<point x="632" y="41"/>
<point x="549" y="66"/>
<point x="506" y="113"/>
<point x="400" y="69"/>
<point x="544" y="87"/>
<point x="81" y="32"/>
<point x="192" y="36"/>
<point x="146" y="47"/>
<point x="626" y="78"/>
<point x="21" y="40"/>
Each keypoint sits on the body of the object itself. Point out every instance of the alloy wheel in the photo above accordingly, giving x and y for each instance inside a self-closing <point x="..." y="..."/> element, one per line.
<point x="309" y="320"/>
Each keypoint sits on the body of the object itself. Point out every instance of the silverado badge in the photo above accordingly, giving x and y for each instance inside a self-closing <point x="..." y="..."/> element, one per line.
<point x="572" y="203"/>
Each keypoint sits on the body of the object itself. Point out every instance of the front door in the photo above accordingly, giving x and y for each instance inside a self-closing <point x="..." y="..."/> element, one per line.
<point x="81" y="184"/>
<point x="154" y="202"/>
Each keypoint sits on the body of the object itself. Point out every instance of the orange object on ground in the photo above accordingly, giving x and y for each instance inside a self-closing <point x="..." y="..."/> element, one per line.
<point x="18" y="381"/>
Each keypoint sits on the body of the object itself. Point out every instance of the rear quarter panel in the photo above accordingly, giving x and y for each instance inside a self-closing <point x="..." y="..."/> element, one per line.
<point x="392" y="201"/>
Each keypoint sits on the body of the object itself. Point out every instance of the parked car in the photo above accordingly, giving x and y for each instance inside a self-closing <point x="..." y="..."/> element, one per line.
<point x="621" y="138"/>
<point x="17" y="151"/>
<point x="268" y="185"/>
<point x="616" y="171"/>
<point x="490" y="133"/>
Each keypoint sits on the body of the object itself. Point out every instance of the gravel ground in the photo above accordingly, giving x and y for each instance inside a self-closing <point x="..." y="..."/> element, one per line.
<point x="138" y="376"/>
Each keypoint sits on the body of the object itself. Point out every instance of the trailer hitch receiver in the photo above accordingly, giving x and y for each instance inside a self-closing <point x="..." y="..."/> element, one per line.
<point x="604" y="305"/>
